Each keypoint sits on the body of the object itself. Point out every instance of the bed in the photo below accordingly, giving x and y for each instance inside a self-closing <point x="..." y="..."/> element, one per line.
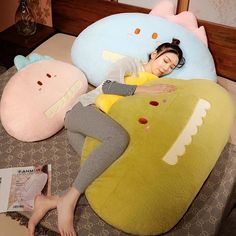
<point x="208" y="212"/>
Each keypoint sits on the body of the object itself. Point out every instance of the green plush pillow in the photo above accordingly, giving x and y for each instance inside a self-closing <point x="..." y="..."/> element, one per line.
<point x="175" y="141"/>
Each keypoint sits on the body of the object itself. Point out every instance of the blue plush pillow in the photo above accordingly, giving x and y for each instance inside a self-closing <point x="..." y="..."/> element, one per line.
<point x="137" y="35"/>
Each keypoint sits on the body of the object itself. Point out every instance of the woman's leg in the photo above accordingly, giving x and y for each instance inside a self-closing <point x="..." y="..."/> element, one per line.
<point x="114" y="140"/>
<point x="42" y="204"/>
<point x="90" y="121"/>
<point x="76" y="140"/>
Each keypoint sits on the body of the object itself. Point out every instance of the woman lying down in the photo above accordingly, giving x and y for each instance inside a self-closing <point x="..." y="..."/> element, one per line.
<point x="85" y="119"/>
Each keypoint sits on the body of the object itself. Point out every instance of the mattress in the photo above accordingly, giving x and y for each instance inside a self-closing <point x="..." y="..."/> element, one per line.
<point x="58" y="47"/>
<point x="204" y="216"/>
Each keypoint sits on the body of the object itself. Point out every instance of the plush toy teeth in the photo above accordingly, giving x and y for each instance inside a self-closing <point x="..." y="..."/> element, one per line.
<point x="111" y="56"/>
<point x="62" y="102"/>
<point x="191" y="129"/>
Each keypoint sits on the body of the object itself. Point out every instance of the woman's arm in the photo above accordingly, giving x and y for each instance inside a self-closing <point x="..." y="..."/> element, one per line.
<point x="157" y="88"/>
<point x="114" y="83"/>
<point x="112" y="87"/>
<point x="126" y="66"/>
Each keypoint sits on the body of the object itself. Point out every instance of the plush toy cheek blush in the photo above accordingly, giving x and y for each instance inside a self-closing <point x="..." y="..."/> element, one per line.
<point x="36" y="98"/>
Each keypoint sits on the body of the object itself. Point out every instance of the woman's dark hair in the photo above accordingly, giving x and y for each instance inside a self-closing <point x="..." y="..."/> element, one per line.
<point x="171" y="47"/>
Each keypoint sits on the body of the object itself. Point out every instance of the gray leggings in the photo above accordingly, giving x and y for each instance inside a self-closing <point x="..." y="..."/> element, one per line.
<point x="90" y="121"/>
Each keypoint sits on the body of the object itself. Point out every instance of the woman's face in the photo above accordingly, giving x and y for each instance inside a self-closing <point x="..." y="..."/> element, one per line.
<point x="163" y="64"/>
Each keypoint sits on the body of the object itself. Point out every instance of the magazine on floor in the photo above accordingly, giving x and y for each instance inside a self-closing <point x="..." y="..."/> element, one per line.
<point x="20" y="185"/>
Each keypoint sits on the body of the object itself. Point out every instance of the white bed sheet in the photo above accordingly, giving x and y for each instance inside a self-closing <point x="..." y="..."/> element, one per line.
<point x="58" y="47"/>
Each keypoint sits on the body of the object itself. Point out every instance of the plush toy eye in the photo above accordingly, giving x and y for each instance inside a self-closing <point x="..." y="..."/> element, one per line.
<point x="137" y="31"/>
<point x="142" y="120"/>
<point x="40" y="83"/>
<point x="154" y="35"/>
<point x="48" y="75"/>
<point x="154" y="103"/>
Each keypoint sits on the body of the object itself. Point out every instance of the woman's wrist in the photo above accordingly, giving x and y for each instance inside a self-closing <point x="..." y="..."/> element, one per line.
<point x="140" y="89"/>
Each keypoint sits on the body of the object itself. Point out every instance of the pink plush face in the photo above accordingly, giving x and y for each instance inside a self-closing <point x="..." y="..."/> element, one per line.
<point x="36" y="98"/>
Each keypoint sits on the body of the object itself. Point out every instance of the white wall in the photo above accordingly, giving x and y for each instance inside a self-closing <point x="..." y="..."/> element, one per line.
<point x="218" y="11"/>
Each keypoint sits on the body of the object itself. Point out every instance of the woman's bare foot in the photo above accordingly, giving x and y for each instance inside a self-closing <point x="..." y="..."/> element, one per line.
<point x="42" y="205"/>
<point x="66" y="207"/>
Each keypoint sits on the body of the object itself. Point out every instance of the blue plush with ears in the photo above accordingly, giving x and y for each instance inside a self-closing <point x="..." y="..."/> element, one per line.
<point x="137" y="35"/>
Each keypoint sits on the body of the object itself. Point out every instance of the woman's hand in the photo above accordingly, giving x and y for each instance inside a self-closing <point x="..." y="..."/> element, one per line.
<point x="158" y="88"/>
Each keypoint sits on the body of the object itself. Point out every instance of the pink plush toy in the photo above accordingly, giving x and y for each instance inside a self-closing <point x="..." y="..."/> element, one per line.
<point x="36" y="99"/>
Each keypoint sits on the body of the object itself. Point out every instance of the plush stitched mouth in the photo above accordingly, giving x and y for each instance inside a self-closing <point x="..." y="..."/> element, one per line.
<point x="55" y="108"/>
<point x="190" y="129"/>
<point x="111" y="56"/>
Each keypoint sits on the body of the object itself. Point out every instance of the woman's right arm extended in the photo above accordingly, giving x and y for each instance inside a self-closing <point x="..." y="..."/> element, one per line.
<point x="112" y="87"/>
<point x="157" y="88"/>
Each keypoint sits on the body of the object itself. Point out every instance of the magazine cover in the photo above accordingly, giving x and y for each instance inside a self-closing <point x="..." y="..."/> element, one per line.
<point x="20" y="185"/>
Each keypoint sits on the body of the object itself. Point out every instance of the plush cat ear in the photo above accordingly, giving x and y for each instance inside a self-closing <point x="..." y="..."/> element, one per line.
<point x="187" y="19"/>
<point x="21" y="61"/>
<point x="163" y="9"/>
